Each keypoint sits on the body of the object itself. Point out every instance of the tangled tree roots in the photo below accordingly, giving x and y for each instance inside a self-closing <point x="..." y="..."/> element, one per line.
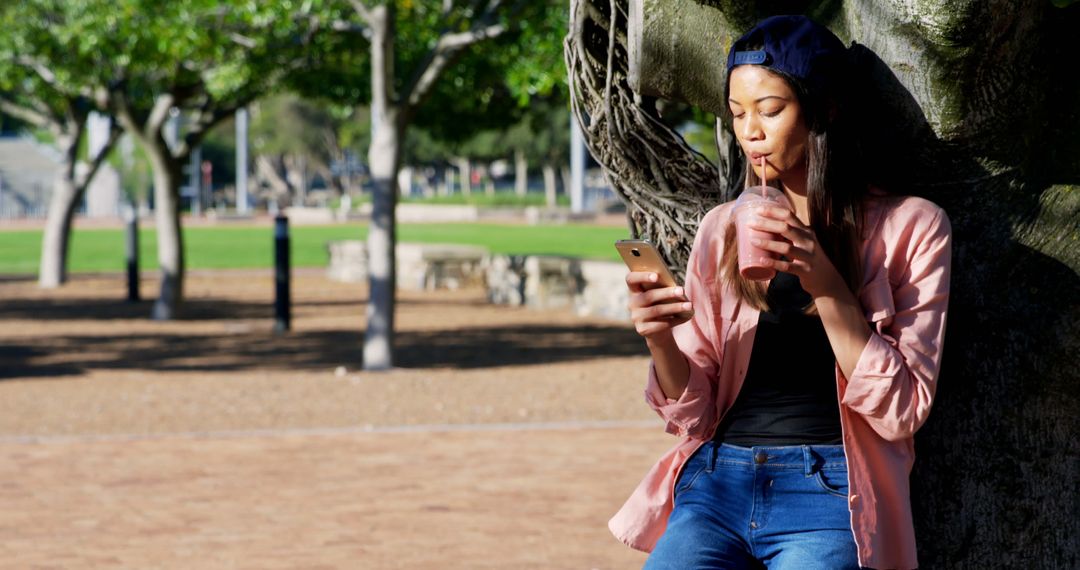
<point x="666" y="185"/>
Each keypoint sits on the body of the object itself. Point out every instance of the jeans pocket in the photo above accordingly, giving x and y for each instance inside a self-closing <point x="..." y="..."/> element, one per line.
<point x="833" y="482"/>
<point x="693" y="468"/>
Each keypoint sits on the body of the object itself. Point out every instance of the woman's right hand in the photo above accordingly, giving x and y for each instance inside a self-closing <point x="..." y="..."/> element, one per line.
<point x="656" y="310"/>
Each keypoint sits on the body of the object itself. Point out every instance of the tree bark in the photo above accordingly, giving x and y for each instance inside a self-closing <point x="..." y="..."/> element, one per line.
<point x="465" y="173"/>
<point x="564" y="178"/>
<point x="384" y="156"/>
<point x="521" y="173"/>
<point x="941" y="108"/>
<point x="68" y="188"/>
<point x="170" y="244"/>
<point x="267" y="170"/>
<point x="550" y="185"/>
<point x="54" y="247"/>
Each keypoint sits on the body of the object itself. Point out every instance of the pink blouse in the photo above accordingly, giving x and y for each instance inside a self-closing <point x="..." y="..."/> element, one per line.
<point x="906" y="263"/>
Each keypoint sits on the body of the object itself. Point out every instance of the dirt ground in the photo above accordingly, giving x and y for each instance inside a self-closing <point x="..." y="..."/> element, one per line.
<point x="505" y="439"/>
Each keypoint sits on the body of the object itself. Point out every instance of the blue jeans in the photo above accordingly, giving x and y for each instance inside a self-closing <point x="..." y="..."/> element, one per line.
<point x="761" y="507"/>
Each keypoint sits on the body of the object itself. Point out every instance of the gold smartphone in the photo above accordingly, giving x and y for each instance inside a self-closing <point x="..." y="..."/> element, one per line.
<point x="642" y="255"/>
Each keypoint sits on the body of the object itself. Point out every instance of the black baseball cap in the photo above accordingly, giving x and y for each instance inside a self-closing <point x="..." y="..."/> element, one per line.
<point x="795" y="45"/>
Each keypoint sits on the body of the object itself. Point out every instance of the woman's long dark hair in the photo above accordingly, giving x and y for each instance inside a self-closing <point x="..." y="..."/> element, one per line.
<point x="835" y="191"/>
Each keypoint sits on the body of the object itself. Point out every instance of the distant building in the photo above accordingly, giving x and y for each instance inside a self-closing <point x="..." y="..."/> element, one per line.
<point x="27" y="171"/>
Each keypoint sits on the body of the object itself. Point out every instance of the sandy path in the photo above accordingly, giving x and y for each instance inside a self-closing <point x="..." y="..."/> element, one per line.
<point x="209" y="442"/>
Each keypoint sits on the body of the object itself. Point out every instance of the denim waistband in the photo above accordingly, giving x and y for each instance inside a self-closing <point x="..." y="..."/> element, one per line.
<point x="808" y="458"/>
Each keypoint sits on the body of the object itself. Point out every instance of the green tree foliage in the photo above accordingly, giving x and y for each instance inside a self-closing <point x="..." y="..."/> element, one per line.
<point x="39" y="96"/>
<point x="143" y="60"/>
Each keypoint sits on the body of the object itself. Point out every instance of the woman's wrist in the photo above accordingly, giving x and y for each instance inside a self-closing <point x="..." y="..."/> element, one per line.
<point x="662" y="341"/>
<point x="847" y="329"/>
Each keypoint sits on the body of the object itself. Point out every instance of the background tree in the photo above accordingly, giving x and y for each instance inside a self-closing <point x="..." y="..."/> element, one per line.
<point x="965" y="103"/>
<point x="410" y="49"/>
<point x="295" y="139"/>
<point x="37" y="64"/>
<point x="201" y="60"/>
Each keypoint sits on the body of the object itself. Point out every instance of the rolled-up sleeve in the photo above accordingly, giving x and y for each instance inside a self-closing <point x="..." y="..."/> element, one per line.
<point x="695" y="409"/>
<point x="893" y="384"/>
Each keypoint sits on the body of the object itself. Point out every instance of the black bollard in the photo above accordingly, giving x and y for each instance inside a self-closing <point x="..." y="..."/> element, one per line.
<point x="282" y="301"/>
<point x="131" y="251"/>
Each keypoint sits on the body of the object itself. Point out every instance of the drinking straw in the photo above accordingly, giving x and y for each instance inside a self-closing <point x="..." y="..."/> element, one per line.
<point x="764" y="179"/>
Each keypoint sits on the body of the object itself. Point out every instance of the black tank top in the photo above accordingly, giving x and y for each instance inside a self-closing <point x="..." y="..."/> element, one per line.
<point x="789" y="395"/>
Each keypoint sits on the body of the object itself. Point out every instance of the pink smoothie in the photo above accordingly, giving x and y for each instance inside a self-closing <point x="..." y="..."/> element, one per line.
<point x="752" y="258"/>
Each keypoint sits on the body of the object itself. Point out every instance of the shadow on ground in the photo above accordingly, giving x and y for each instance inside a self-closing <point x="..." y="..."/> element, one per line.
<point x="246" y="342"/>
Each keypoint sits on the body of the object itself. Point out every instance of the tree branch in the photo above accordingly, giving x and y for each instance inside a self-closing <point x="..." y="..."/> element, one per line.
<point x="103" y="153"/>
<point x="361" y="10"/>
<point x="39" y="68"/>
<point x="209" y="116"/>
<point x="242" y="40"/>
<point x="347" y="26"/>
<point x="160" y="113"/>
<point x="123" y="113"/>
<point x="26" y="114"/>
<point x="449" y="46"/>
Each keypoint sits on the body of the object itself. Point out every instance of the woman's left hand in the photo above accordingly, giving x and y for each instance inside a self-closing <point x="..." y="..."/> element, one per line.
<point x="797" y="242"/>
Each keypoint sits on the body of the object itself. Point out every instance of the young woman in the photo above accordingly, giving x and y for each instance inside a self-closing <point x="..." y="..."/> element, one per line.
<point x="795" y="400"/>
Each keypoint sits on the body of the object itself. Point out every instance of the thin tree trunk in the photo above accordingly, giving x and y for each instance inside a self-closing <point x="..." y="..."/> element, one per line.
<point x="267" y="170"/>
<point x="54" y="248"/>
<point x="549" y="185"/>
<point x="521" y="173"/>
<point x="405" y="181"/>
<point x="384" y="159"/>
<point x="565" y="177"/>
<point x="465" y="172"/>
<point x="169" y="238"/>
<point x="296" y="175"/>
<point x="68" y="189"/>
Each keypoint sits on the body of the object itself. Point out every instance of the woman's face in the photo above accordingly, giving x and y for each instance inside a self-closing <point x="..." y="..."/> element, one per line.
<point x="768" y="121"/>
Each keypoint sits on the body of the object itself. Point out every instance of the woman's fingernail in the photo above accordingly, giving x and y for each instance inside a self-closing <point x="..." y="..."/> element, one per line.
<point x="653" y="277"/>
<point x="686" y="305"/>
<point x="755" y="241"/>
<point x="678" y="291"/>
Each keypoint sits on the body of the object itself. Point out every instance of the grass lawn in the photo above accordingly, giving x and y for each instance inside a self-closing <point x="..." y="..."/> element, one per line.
<point x="252" y="247"/>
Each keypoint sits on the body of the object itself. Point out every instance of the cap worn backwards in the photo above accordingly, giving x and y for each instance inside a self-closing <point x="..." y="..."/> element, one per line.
<point x="795" y="45"/>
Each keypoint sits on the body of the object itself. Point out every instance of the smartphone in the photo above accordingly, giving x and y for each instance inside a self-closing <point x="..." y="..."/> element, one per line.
<point x="642" y="255"/>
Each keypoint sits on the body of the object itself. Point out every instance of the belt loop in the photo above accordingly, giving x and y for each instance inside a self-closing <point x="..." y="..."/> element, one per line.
<point x="808" y="461"/>
<point x="714" y="449"/>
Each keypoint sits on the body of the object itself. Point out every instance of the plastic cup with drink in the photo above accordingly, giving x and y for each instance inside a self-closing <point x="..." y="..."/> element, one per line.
<point x="754" y="261"/>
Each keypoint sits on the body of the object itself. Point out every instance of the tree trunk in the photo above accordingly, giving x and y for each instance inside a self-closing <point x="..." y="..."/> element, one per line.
<point x="384" y="159"/>
<point x="68" y="188"/>
<point x="296" y="176"/>
<point x="167" y="172"/>
<point x="565" y="177"/>
<point x="550" y="185"/>
<point x="266" y="168"/>
<point x="465" y="172"/>
<point x="941" y="98"/>
<point x="54" y="246"/>
<point x="521" y="173"/>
